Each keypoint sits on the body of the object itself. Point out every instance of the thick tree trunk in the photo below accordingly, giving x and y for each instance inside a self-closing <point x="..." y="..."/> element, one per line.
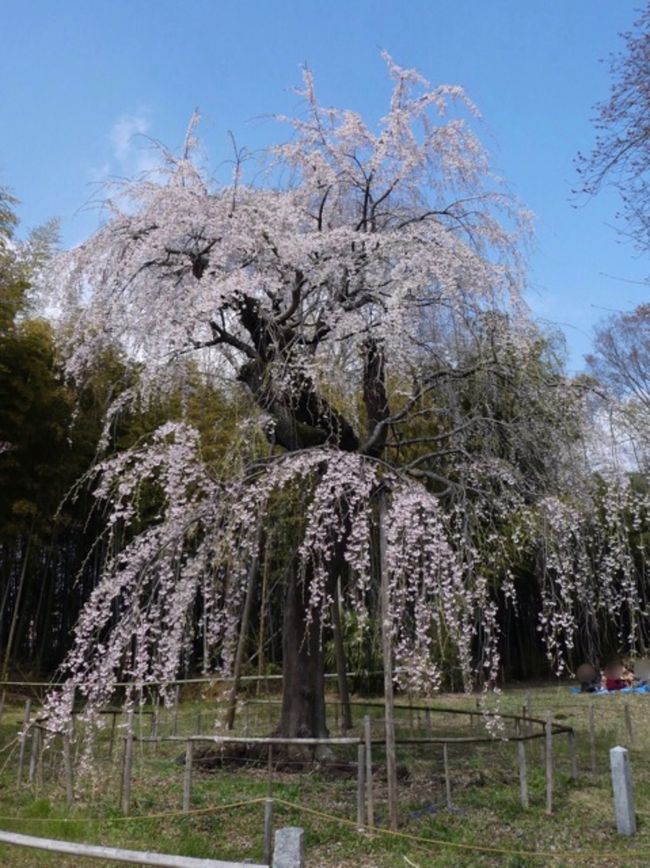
<point x="303" y="685"/>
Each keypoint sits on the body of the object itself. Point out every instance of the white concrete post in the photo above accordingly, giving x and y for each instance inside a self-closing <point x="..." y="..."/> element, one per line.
<point x="619" y="759"/>
<point x="289" y="850"/>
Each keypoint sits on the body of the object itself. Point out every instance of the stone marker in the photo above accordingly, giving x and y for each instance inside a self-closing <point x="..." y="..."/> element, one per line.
<point x="623" y="794"/>
<point x="289" y="850"/>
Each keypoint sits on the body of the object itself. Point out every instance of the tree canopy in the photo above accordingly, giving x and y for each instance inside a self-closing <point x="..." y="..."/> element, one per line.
<point x="363" y="297"/>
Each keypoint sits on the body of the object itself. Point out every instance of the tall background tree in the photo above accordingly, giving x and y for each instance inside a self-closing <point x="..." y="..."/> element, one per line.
<point x="621" y="159"/>
<point x="621" y="155"/>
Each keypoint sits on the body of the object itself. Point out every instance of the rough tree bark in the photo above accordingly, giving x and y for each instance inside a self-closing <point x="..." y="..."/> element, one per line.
<point x="303" y="682"/>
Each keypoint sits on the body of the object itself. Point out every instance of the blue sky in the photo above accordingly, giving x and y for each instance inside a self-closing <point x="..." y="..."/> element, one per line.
<point x="80" y="79"/>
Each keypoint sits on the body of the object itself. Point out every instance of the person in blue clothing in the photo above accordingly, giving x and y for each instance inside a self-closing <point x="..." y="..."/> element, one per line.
<point x="588" y="678"/>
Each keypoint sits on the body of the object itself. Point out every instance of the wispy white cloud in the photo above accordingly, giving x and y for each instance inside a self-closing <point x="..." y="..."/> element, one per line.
<point x="124" y="133"/>
<point x="129" y="151"/>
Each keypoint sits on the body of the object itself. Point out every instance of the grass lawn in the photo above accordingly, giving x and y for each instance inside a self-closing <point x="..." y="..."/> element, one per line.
<point x="486" y="825"/>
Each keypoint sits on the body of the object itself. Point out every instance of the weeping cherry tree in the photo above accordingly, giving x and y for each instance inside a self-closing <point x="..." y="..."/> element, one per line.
<point x="364" y="293"/>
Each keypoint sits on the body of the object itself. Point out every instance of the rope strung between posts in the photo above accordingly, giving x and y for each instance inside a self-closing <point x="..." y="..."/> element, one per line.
<point x="417" y="839"/>
<point x="160" y="816"/>
<point x="539" y="854"/>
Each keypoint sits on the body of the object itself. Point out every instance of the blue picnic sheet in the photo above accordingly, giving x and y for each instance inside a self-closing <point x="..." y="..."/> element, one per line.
<point x="642" y="688"/>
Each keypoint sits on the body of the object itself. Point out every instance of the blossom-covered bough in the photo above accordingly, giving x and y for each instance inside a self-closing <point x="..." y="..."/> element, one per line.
<point x="365" y="296"/>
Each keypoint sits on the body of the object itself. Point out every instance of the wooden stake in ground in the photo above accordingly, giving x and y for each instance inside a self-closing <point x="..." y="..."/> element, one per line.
<point x="445" y="762"/>
<point x="549" y="762"/>
<point x="523" y="774"/>
<point x="268" y="830"/>
<point x="268" y="810"/>
<point x="361" y="783"/>
<point x="127" y="766"/>
<point x="67" y="769"/>
<point x="33" y="757"/>
<point x="187" y="777"/>
<point x="269" y="780"/>
<point x="39" y="759"/>
<point x="387" y="653"/>
<point x="369" y="793"/>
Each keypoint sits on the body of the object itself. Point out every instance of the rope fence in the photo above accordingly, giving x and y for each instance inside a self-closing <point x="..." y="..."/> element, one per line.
<point x="41" y="755"/>
<point x="577" y="854"/>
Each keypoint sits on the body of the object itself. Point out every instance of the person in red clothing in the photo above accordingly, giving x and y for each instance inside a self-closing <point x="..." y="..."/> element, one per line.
<point x="615" y="676"/>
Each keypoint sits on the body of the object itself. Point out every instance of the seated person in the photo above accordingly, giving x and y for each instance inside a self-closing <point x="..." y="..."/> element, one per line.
<point x="588" y="677"/>
<point x="616" y="676"/>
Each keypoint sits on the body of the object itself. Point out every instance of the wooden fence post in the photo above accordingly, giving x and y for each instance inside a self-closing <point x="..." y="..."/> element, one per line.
<point x="33" y="757"/>
<point x="268" y="809"/>
<point x="369" y="793"/>
<point x="269" y="770"/>
<point x="549" y="761"/>
<point x="445" y="762"/>
<point x="127" y="766"/>
<point x="67" y="770"/>
<point x="187" y="777"/>
<point x="268" y="830"/>
<point x="361" y="784"/>
<point x="523" y="774"/>
<point x="39" y="759"/>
